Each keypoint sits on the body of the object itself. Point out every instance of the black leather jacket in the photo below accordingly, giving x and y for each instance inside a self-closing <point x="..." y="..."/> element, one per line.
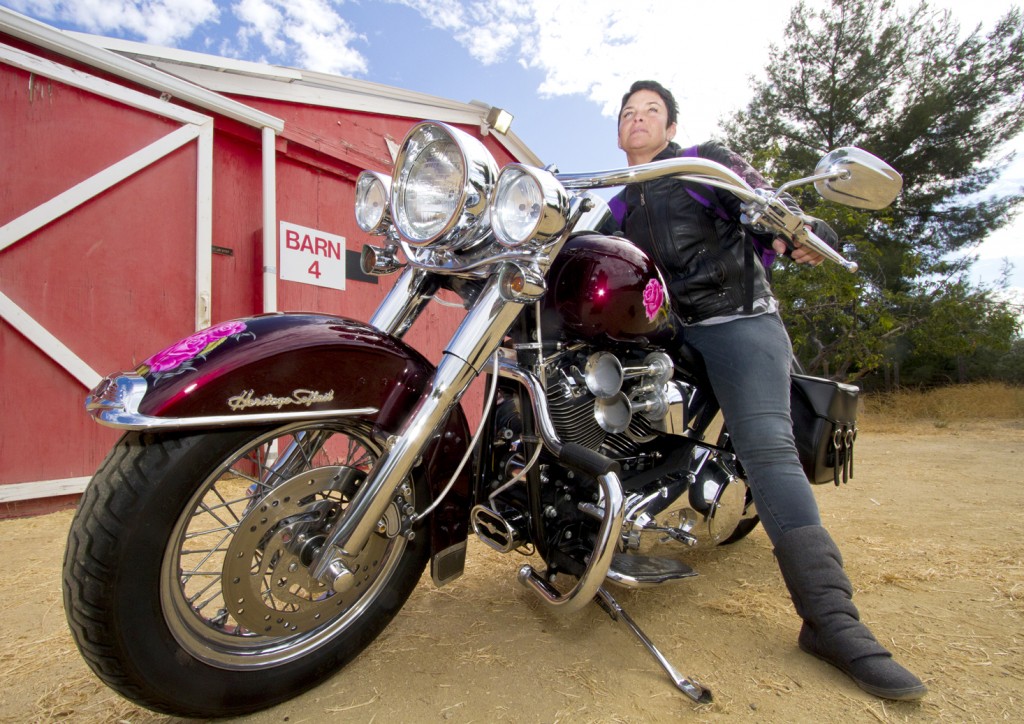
<point x="710" y="262"/>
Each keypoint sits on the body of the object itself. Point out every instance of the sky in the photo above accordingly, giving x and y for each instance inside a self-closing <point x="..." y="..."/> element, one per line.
<point x="559" y="66"/>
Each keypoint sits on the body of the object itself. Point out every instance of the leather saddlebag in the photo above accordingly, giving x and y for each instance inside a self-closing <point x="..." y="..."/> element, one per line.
<point x="825" y="427"/>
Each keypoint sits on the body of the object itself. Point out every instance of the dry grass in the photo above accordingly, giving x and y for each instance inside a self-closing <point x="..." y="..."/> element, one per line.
<point x="945" y="406"/>
<point x="928" y="528"/>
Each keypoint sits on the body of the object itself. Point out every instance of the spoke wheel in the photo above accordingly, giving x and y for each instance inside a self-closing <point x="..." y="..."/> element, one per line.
<point x="235" y="583"/>
<point x="223" y="612"/>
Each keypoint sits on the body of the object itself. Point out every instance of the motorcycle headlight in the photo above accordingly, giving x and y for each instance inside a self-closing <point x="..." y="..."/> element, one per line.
<point x="373" y="192"/>
<point x="443" y="179"/>
<point x="529" y="204"/>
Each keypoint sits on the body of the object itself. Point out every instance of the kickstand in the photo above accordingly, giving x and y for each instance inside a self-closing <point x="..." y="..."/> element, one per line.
<point x="691" y="688"/>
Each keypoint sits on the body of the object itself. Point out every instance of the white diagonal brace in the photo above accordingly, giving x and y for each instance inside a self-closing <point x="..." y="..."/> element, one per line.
<point x="59" y="205"/>
<point x="42" y="338"/>
<point x="80" y="79"/>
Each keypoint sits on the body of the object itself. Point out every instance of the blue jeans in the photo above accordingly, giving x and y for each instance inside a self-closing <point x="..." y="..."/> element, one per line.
<point x="748" y="361"/>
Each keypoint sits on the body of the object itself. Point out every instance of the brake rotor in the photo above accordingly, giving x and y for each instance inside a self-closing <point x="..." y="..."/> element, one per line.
<point x="265" y="581"/>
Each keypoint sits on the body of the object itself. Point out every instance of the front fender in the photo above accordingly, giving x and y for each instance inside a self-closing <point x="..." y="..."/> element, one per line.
<point x="279" y="368"/>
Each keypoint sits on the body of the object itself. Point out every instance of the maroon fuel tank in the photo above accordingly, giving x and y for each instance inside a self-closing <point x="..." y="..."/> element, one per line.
<point x="308" y="362"/>
<point x="605" y="289"/>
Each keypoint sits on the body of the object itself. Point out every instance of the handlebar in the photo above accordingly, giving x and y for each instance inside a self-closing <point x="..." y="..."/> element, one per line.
<point x="812" y="240"/>
<point x="769" y="210"/>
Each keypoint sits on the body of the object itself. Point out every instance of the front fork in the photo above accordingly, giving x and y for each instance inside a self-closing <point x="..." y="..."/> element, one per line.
<point x="476" y="339"/>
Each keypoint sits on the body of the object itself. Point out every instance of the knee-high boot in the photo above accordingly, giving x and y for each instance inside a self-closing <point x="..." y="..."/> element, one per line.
<point x="813" y="570"/>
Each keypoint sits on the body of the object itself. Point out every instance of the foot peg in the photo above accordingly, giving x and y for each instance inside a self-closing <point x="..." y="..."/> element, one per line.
<point x="691" y="688"/>
<point x="635" y="571"/>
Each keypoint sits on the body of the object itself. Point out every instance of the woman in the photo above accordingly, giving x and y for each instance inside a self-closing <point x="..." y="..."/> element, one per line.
<point x="731" y="318"/>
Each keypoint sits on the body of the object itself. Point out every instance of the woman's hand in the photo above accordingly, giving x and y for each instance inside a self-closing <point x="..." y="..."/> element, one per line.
<point x="806" y="255"/>
<point x="798" y="253"/>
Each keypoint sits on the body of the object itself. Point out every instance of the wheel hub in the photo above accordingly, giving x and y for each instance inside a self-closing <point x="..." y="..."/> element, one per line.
<point x="266" y="582"/>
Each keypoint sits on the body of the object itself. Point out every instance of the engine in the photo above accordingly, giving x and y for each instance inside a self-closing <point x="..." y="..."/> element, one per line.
<point x="630" y="408"/>
<point x="609" y="387"/>
<point x="613" y="404"/>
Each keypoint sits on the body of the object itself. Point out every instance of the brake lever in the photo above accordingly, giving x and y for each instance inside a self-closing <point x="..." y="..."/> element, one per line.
<point x="769" y="213"/>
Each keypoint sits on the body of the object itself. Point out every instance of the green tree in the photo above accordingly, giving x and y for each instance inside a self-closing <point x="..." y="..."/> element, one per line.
<point x="940" y="107"/>
<point x="961" y="338"/>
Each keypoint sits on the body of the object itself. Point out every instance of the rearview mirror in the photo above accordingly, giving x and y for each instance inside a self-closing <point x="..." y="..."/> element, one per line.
<point x="857" y="178"/>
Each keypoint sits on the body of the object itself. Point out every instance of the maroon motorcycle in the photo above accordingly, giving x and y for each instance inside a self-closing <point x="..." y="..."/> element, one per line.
<point x="283" y="480"/>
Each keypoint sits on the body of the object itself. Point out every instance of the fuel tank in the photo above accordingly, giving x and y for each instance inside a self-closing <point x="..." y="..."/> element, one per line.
<point x="604" y="289"/>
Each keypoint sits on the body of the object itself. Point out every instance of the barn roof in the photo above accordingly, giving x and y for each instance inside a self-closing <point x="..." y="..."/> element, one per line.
<point x="201" y="80"/>
<point x="259" y="80"/>
<point x="75" y="47"/>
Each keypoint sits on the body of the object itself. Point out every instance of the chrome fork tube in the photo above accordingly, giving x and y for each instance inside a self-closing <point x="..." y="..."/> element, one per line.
<point x="468" y="351"/>
<point x="403" y="304"/>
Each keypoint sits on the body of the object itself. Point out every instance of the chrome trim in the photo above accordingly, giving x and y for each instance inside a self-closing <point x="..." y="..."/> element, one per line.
<point x="635" y="583"/>
<point x="596" y="571"/>
<point x="675" y="421"/>
<point x="595" y="215"/>
<point x="366" y="181"/>
<point x="449" y="564"/>
<point x="468" y="222"/>
<point x="854" y="177"/>
<point x="379" y="261"/>
<point x="780" y="218"/>
<point x="693" y="689"/>
<point x="460" y="265"/>
<point x="699" y="169"/>
<point x="538" y="401"/>
<point x="115" y="403"/>
<point x="491" y="393"/>
<point x="551" y="216"/>
<point x="493" y="529"/>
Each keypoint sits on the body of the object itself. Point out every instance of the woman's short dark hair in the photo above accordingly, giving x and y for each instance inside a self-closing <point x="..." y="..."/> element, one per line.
<point x="652" y="85"/>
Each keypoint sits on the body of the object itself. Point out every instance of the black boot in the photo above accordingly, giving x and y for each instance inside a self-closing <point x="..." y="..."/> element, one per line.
<point x="813" y="570"/>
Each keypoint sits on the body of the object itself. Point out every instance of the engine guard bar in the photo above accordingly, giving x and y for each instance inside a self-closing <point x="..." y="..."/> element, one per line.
<point x="509" y="369"/>
<point x="593" y="577"/>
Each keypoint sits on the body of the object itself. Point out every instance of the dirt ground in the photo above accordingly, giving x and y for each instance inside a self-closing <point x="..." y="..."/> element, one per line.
<point x="930" y="528"/>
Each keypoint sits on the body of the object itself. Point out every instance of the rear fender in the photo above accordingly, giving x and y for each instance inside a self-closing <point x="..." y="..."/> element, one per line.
<point x="279" y="368"/>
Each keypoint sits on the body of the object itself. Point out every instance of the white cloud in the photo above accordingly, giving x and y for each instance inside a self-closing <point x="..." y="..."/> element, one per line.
<point x="305" y="33"/>
<point x="309" y="34"/>
<point x="596" y="48"/>
<point x="161" y="22"/>
<point x="490" y="31"/>
<point x="704" y="52"/>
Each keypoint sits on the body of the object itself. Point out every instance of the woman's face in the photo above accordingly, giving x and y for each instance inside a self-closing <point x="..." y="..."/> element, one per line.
<point x="643" y="126"/>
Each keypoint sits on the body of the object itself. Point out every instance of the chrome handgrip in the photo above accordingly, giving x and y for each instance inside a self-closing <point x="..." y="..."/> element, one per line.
<point x="810" y="239"/>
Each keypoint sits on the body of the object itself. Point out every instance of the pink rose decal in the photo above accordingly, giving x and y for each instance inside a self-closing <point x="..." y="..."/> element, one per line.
<point x="654" y="298"/>
<point x="193" y="346"/>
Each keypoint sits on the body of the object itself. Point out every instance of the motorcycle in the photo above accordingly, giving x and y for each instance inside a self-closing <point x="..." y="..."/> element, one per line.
<point x="284" y="479"/>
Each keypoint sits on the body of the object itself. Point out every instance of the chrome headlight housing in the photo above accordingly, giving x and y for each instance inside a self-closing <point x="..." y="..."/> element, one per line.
<point x="528" y="205"/>
<point x="442" y="182"/>
<point x="373" y="195"/>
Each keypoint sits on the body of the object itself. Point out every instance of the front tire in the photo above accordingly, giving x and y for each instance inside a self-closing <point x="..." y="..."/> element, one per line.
<point x="186" y="581"/>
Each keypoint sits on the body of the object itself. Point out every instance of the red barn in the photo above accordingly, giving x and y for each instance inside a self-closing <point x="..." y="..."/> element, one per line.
<point x="145" y="194"/>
